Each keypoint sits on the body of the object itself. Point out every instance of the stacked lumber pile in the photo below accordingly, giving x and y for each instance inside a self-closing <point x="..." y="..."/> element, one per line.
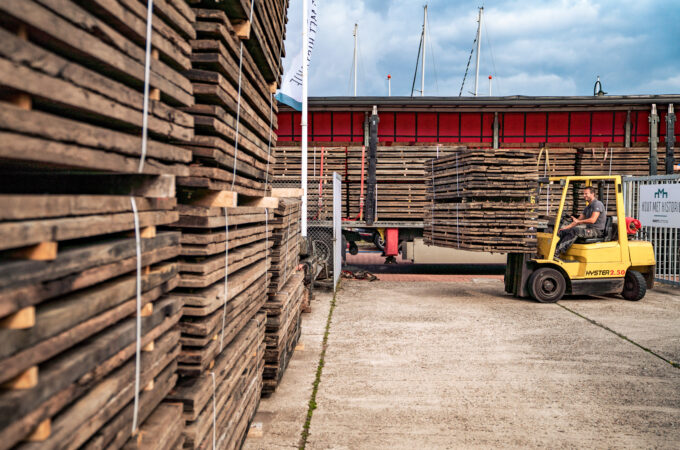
<point x="617" y="161"/>
<point x="225" y="218"/>
<point x="79" y="296"/>
<point x="235" y="69"/>
<point x="224" y="275"/>
<point x="286" y="292"/>
<point x="400" y="192"/>
<point x="482" y="200"/>
<point x="321" y="163"/>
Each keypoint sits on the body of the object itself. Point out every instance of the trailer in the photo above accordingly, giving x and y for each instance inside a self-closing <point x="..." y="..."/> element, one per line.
<point x="621" y="125"/>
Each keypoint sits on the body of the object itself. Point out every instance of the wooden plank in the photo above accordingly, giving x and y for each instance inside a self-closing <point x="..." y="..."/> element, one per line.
<point x="20" y="234"/>
<point x="100" y="184"/>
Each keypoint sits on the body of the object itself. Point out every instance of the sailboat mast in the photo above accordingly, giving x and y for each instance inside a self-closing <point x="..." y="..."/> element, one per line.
<point x="356" y="38"/>
<point x="422" y="76"/>
<point x="479" y="46"/>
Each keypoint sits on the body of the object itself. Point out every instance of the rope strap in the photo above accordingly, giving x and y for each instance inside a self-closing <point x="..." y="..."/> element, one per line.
<point x="138" y="343"/>
<point x="226" y="276"/>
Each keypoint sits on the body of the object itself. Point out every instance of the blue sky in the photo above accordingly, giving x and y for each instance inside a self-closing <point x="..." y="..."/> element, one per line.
<point x="553" y="47"/>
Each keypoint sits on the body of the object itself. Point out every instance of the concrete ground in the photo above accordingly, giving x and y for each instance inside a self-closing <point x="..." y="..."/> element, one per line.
<point x="442" y="364"/>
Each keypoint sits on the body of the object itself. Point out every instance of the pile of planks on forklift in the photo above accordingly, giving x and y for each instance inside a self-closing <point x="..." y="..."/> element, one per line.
<point x="140" y="247"/>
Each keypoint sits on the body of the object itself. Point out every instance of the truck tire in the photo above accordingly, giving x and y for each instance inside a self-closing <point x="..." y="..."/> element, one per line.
<point x="634" y="286"/>
<point x="547" y="285"/>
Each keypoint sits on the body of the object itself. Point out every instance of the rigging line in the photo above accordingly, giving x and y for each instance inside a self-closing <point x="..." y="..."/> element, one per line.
<point x="434" y="62"/>
<point x="467" y="68"/>
<point x="493" y="60"/>
<point x="415" y="73"/>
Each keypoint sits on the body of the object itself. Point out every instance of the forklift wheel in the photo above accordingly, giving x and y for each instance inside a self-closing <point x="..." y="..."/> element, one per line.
<point x="353" y="248"/>
<point x="547" y="285"/>
<point x="634" y="286"/>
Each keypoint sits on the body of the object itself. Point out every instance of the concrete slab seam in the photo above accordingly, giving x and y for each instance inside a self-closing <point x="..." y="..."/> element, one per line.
<point x="622" y="336"/>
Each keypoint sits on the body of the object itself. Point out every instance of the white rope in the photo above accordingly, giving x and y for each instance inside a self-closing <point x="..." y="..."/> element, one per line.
<point x="138" y="346"/>
<point x="147" y="71"/>
<point x="269" y="144"/>
<point x="285" y="257"/>
<point x="457" y="190"/>
<point x="138" y="245"/>
<point x="238" y="100"/>
<point x="434" y="198"/>
<point x="226" y="276"/>
<point x="214" y="413"/>
<point x="266" y="247"/>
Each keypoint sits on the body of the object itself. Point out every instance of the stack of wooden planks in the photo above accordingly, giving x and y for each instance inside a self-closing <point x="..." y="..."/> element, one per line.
<point x="235" y="69"/>
<point x="84" y="270"/>
<point x="617" y="161"/>
<point x="224" y="274"/>
<point x="400" y="193"/>
<point x="286" y="293"/>
<point x="482" y="200"/>
<point x="226" y="218"/>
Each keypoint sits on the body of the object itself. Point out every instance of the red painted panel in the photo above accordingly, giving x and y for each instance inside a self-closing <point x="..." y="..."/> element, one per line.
<point x="470" y="127"/>
<point x="386" y="127"/>
<point x="487" y="128"/>
<point x="406" y="127"/>
<point x="641" y="126"/>
<point x="602" y="126"/>
<point x="427" y="126"/>
<point x="297" y="128"/>
<point x="321" y="126"/>
<point x="535" y="127"/>
<point x="358" y="119"/>
<point x="619" y="126"/>
<point x="558" y="127"/>
<point x="580" y="127"/>
<point x="512" y="127"/>
<point x="284" y="132"/>
<point x="448" y="127"/>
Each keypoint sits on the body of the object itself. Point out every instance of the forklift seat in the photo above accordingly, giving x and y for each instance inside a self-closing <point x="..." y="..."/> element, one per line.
<point x="608" y="235"/>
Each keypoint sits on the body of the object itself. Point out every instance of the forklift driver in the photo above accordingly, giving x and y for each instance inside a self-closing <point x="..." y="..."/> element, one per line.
<point x="590" y="224"/>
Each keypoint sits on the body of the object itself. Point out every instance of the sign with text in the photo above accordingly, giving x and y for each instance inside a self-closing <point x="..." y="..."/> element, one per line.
<point x="660" y="205"/>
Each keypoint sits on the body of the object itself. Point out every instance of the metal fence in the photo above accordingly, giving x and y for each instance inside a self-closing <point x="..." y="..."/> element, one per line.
<point x="665" y="240"/>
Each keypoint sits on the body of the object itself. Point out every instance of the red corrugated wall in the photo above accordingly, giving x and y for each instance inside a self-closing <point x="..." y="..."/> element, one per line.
<point x="470" y="127"/>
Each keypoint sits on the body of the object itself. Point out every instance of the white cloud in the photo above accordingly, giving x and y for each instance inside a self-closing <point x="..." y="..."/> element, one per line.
<point x="553" y="47"/>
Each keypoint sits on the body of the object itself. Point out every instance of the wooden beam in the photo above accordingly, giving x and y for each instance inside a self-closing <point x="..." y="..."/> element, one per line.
<point x="138" y="185"/>
<point x="214" y="199"/>
<point x="273" y="86"/>
<point x="25" y="380"/>
<point x="22" y="100"/>
<point x="287" y="192"/>
<point x="147" y="309"/>
<point x="44" y="251"/>
<point x="262" y="202"/>
<point x="151" y="346"/>
<point x="41" y="432"/>
<point x="242" y="29"/>
<point x="22" y="319"/>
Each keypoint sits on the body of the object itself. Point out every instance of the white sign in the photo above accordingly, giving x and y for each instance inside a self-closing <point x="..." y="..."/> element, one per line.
<point x="660" y="205"/>
<point x="291" y="86"/>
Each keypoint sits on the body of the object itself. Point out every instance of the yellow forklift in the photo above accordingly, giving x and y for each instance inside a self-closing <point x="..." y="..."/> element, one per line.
<point x="612" y="264"/>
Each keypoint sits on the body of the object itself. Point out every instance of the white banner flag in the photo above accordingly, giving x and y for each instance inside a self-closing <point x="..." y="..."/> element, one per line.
<point x="291" y="87"/>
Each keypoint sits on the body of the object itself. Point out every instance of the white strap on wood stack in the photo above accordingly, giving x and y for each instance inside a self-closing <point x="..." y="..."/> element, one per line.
<point x="458" y="190"/>
<point x="145" y="132"/>
<point x="138" y="344"/>
<point x="226" y="276"/>
<point x="238" y="100"/>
